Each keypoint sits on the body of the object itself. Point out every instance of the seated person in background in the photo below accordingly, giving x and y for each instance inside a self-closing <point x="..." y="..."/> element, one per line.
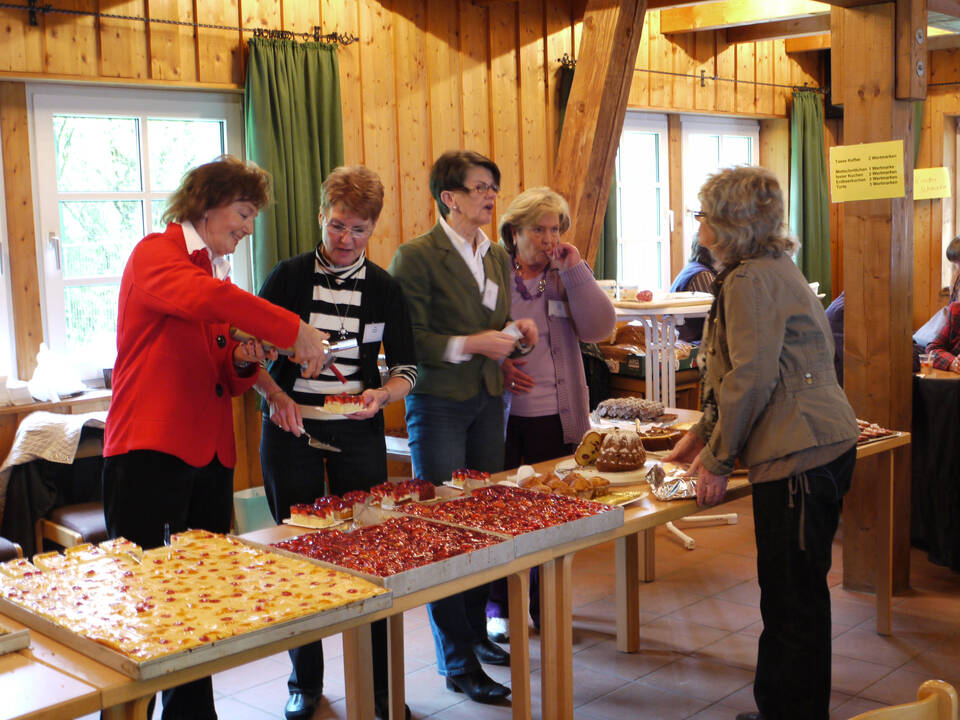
<point x="835" y="317"/>
<point x="953" y="255"/>
<point x="946" y="347"/>
<point x="697" y="276"/>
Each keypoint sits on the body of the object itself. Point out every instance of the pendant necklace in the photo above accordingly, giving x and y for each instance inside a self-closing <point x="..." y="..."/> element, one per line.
<point x="522" y="286"/>
<point x="341" y="333"/>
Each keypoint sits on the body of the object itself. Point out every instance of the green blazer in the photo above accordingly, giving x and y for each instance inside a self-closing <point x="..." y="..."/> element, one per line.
<point x="444" y="301"/>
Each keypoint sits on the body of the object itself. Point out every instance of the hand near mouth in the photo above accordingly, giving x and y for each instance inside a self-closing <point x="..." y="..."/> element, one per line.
<point x="564" y="256"/>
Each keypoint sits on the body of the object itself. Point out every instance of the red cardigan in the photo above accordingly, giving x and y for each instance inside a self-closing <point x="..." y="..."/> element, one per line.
<point x="174" y="375"/>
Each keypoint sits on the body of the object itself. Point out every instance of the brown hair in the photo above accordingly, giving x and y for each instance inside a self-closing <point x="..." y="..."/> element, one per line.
<point x="357" y="187"/>
<point x="215" y="184"/>
<point x="953" y="250"/>
<point x="450" y="170"/>
<point x="744" y="208"/>
<point x="527" y="208"/>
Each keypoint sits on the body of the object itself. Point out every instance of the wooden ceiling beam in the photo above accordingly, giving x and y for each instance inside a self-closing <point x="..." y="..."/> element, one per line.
<point x="913" y="66"/>
<point x="801" y="27"/>
<point x="943" y="42"/>
<point x="946" y="7"/>
<point x="852" y="3"/>
<point x="595" y="112"/>
<point x="808" y="43"/>
<point x="736" y="13"/>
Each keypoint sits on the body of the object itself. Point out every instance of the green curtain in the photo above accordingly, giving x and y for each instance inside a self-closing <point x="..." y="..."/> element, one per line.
<point x="809" y="208"/>
<point x="605" y="264"/>
<point x="294" y="130"/>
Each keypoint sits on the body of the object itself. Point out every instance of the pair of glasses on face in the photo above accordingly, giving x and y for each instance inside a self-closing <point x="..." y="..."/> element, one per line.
<point x="699" y="215"/>
<point x="481" y="188"/>
<point x="358" y="232"/>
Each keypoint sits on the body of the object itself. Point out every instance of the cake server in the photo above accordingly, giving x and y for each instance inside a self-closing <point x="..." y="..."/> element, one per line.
<point x="314" y="443"/>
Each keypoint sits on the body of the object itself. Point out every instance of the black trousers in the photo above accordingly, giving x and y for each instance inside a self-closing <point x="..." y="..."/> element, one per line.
<point x="145" y="490"/>
<point x="293" y="474"/>
<point x="795" y="522"/>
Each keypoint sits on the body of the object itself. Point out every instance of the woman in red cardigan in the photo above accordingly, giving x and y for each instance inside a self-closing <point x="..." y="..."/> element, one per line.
<point x="168" y="444"/>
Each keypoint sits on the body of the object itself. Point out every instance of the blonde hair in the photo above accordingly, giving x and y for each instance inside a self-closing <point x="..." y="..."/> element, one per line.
<point x="744" y="208"/>
<point x="527" y="208"/>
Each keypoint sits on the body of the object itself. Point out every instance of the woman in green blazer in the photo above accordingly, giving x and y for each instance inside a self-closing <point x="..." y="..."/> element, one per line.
<point x="457" y="286"/>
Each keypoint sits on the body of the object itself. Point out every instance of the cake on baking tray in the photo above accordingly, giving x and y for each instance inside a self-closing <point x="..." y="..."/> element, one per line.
<point x="621" y="451"/>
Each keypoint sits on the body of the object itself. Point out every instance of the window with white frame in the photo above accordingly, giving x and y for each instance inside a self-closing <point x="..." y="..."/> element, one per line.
<point x="643" y="202"/>
<point x="710" y="144"/>
<point x="105" y="162"/>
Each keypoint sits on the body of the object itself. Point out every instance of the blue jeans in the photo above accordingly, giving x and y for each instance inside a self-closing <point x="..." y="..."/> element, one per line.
<point x="446" y="435"/>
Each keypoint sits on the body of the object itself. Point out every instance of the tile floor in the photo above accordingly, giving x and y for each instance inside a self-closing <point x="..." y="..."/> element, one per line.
<point x="700" y="623"/>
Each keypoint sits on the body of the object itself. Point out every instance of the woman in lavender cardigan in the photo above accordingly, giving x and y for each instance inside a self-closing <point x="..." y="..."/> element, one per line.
<point x="549" y="403"/>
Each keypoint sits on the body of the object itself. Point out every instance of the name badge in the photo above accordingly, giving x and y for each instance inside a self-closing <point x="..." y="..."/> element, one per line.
<point x="373" y="332"/>
<point x="490" y="295"/>
<point x="558" y="308"/>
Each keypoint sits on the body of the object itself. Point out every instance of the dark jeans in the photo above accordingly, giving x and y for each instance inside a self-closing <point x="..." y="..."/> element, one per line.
<point x="793" y="661"/>
<point x="529" y="440"/>
<point x="446" y="435"/>
<point x="293" y="473"/>
<point x="142" y="491"/>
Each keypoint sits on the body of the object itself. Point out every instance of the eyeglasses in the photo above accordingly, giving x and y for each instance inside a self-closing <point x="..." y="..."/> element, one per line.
<point x="357" y="232"/>
<point x="699" y="215"/>
<point x="481" y="188"/>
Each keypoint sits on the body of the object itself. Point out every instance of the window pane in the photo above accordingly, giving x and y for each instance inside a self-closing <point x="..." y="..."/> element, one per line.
<point x="704" y="154"/>
<point x="97" y="154"/>
<point x="91" y="315"/>
<point x="97" y="236"/>
<point x="638" y="159"/>
<point x="178" y="145"/>
<point x="158" y="207"/>
<point x="735" y="151"/>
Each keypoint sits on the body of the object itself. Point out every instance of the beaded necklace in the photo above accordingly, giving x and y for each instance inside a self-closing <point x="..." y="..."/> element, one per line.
<point x="522" y="286"/>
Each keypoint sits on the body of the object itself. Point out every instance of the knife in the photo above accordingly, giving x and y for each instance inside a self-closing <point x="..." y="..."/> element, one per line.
<point x="330" y="349"/>
<point x="314" y="443"/>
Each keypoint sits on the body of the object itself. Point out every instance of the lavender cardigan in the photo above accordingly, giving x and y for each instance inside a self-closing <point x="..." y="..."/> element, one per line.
<point x="590" y="318"/>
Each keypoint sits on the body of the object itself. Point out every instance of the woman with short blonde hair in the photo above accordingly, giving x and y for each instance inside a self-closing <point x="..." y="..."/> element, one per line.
<point x="527" y="208"/>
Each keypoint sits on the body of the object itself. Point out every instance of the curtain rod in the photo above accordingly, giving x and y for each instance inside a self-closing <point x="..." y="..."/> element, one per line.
<point x="33" y="8"/>
<point x="703" y="77"/>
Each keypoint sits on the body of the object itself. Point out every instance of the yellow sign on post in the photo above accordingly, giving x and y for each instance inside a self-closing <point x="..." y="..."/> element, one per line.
<point x="870" y="171"/>
<point x="931" y="183"/>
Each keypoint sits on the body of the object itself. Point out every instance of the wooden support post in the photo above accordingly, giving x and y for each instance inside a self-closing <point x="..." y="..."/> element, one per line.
<point x="395" y="666"/>
<point x="358" y="672"/>
<point x="627" y="566"/>
<point x="878" y="282"/>
<point x="595" y="112"/>
<point x="912" y="59"/>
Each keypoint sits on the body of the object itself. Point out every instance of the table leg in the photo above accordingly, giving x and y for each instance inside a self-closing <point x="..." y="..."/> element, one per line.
<point x="132" y="710"/>
<point x="648" y="552"/>
<point x="395" y="664"/>
<point x="885" y="553"/>
<point x="627" y="567"/>
<point x="358" y="673"/>
<point x="549" y="641"/>
<point x="519" y="602"/>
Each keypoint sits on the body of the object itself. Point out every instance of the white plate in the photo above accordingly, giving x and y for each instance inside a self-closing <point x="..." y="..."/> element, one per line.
<point x="318" y="413"/>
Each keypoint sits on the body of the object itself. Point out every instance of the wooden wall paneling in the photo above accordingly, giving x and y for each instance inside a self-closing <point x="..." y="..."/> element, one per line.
<point x="678" y="247"/>
<point x="71" y="41"/>
<point x="559" y="33"/>
<point x="746" y="74"/>
<point x="764" y="90"/>
<point x="261" y="14"/>
<point x="414" y="93"/>
<point x="475" y="77"/>
<point x="302" y="15"/>
<point x="926" y="237"/>
<point x="380" y="136"/>
<point x="123" y="43"/>
<point x="344" y="17"/>
<point x="534" y="144"/>
<point x="443" y="51"/>
<point x="682" y="48"/>
<point x="878" y="280"/>
<point x="705" y="61"/>
<point x="726" y="73"/>
<point x="219" y="57"/>
<point x="22" y="47"/>
<point x="833" y="129"/>
<point x="504" y="93"/>
<point x="640" y="85"/>
<point x="775" y="153"/>
<point x="661" y="86"/>
<point x="173" y="48"/>
<point x="781" y="76"/>
<point x="21" y="234"/>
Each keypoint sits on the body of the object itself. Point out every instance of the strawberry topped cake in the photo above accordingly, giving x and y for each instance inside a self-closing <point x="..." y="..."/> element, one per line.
<point x="342" y="404"/>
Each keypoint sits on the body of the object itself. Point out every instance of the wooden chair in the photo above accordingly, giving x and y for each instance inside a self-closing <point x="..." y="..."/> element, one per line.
<point x="936" y="700"/>
<point x="9" y="550"/>
<point x="71" y="525"/>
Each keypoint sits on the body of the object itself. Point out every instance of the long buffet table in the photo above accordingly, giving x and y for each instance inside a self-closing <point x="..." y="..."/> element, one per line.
<point x="82" y="684"/>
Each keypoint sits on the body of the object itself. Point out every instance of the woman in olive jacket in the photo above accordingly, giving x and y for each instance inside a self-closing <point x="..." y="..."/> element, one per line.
<point x="771" y="401"/>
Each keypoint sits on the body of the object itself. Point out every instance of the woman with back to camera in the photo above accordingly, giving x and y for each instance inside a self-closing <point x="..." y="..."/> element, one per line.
<point x="549" y="402"/>
<point x="168" y="445"/>
<point x="771" y="400"/>
<point x="457" y="286"/>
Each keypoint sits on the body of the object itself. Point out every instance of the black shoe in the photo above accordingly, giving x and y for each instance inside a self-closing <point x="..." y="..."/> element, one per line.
<point x="750" y="716"/>
<point x="490" y="653"/>
<point x="478" y="686"/>
<point x="381" y="707"/>
<point x="299" y="706"/>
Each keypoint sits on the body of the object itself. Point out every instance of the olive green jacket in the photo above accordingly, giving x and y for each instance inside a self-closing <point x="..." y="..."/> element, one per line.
<point x="444" y="302"/>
